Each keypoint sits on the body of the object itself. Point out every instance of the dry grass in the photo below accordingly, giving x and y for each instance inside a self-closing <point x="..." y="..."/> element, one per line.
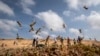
<point x="24" y="48"/>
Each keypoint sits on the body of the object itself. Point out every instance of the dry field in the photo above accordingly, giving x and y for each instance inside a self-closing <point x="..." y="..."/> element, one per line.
<point x="24" y="48"/>
<point x="28" y="43"/>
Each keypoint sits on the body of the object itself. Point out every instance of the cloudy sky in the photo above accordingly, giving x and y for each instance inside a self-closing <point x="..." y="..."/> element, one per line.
<point x="52" y="14"/>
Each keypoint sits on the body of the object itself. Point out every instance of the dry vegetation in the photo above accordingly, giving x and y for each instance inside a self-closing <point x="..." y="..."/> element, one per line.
<point x="60" y="47"/>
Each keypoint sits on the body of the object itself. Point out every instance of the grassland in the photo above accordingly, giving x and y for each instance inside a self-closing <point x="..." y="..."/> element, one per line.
<point x="25" y="48"/>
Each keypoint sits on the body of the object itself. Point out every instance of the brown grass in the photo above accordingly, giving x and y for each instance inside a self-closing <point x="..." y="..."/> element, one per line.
<point x="24" y="48"/>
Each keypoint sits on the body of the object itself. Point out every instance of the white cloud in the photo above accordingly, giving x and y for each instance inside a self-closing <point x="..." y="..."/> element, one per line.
<point x="41" y="34"/>
<point x="91" y="2"/>
<point x="80" y="18"/>
<point x="72" y="3"/>
<point x="37" y="36"/>
<point x="26" y="4"/>
<point x="74" y="31"/>
<point x="53" y="35"/>
<point x="67" y="13"/>
<point x="94" y="20"/>
<point x="44" y="33"/>
<point x="6" y="9"/>
<point x="27" y="11"/>
<point x="8" y="26"/>
<point x="75" y="4"/>
<point x="52" y="20"/>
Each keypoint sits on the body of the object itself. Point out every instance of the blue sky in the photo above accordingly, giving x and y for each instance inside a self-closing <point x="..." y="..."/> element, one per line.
<point x="52" y="14"/>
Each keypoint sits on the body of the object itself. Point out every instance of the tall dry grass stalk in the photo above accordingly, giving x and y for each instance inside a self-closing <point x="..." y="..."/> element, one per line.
<point x="68" y="42"/>
<point x="15" y="43"/>
<point x="61" y="41"/>
<point x="79" y="40"/>
<point x="35" y="42"/>
<point x="47" y="40"/>
<point x="74" y="41"/>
